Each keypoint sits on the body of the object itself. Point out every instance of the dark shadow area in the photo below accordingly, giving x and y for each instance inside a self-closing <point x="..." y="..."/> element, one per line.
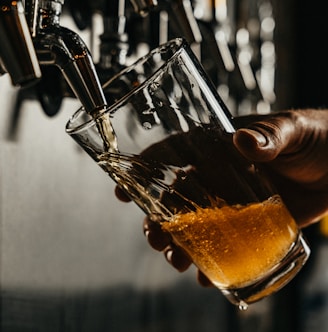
<point x="180" y="308"/>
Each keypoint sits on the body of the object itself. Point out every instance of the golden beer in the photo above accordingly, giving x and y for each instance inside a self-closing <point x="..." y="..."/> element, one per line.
<point x="235" y="245"/>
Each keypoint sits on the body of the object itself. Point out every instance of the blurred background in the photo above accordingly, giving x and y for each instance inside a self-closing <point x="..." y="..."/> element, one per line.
<point x="74" y="258"/>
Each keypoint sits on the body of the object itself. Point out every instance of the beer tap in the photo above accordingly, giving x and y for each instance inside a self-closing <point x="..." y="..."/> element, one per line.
<point x="114" y="39"/>
<point x="182" y="20"/>
<point x="61" y="47"/>
<point x="17" y="53"/>
<point x="219" y="33"/>
<point x="217" y="48"/>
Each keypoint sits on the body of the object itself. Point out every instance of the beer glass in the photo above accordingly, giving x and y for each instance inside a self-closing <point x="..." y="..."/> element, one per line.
<point x="166" y="140"/>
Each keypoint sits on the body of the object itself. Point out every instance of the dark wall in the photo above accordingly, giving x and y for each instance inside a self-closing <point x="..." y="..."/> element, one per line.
<point x="312" y="59"/>
<point x="301" y="37"/>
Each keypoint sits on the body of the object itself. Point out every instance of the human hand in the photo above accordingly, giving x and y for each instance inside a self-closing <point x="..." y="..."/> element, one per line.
<point x="162" y="241"/>
<point x="293" y="148"/>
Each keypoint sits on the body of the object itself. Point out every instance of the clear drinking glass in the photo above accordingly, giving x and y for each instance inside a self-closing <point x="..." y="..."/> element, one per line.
<point x="167" y="142"/>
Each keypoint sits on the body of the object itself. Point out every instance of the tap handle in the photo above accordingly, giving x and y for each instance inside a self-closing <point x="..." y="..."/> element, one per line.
<point x="17" y="51"/>
<point x="31" y="13"/>
<point x="183" y="21"/>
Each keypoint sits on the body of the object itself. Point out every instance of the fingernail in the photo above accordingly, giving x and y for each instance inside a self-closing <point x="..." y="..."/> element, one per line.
<point x="259" y="137"/>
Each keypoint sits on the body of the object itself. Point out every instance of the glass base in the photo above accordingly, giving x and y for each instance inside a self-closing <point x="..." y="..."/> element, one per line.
<point x="275" y="280"/>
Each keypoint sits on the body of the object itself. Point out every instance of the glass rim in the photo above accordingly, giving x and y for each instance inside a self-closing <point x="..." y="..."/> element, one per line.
<point x="180" y="44"/>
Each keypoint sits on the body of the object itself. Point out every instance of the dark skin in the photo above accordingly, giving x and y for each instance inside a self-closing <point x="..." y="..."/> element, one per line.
<point x="293" y="147"/>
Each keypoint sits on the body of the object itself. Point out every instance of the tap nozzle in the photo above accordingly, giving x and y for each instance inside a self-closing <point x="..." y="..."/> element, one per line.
<point x="56" y="45"/>
<point x="17" y="51"/>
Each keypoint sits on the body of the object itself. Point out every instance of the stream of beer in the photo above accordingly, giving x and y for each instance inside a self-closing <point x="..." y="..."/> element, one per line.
<point x="106" y="131"/>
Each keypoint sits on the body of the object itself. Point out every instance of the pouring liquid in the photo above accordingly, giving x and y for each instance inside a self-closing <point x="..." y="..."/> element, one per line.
<point x="232" y="244"/>
<point x="199" y="185"/>
<point x="106" y="131"/>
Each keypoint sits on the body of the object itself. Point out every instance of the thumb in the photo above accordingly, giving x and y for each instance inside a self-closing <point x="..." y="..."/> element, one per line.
<point x="263" y="141"/>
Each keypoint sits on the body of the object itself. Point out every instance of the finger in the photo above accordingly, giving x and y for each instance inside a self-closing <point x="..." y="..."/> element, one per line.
<point x="162" y="241"/>
<point x="263" y="141"/>
<point x="177" y="258"/>
<point x="157" y="238"/>
<point x="121" y="195"/>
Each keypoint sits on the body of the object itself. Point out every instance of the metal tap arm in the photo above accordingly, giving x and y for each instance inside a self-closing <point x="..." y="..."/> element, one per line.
<point x="17" y="52"/>
<point x="56" y="45"/>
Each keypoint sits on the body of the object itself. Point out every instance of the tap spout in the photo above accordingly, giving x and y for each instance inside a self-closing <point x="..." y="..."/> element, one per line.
<point x="17" y="51"/>
<point x="57" y="45"/>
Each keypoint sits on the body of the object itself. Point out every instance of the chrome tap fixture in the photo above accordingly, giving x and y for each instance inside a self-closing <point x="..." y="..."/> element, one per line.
<point x="17" y="53"/>
<point x="182" y="19"/>
<point x="114" y="39"/>
<point x="233" y="39"/>
<point x="59" y="46"/>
